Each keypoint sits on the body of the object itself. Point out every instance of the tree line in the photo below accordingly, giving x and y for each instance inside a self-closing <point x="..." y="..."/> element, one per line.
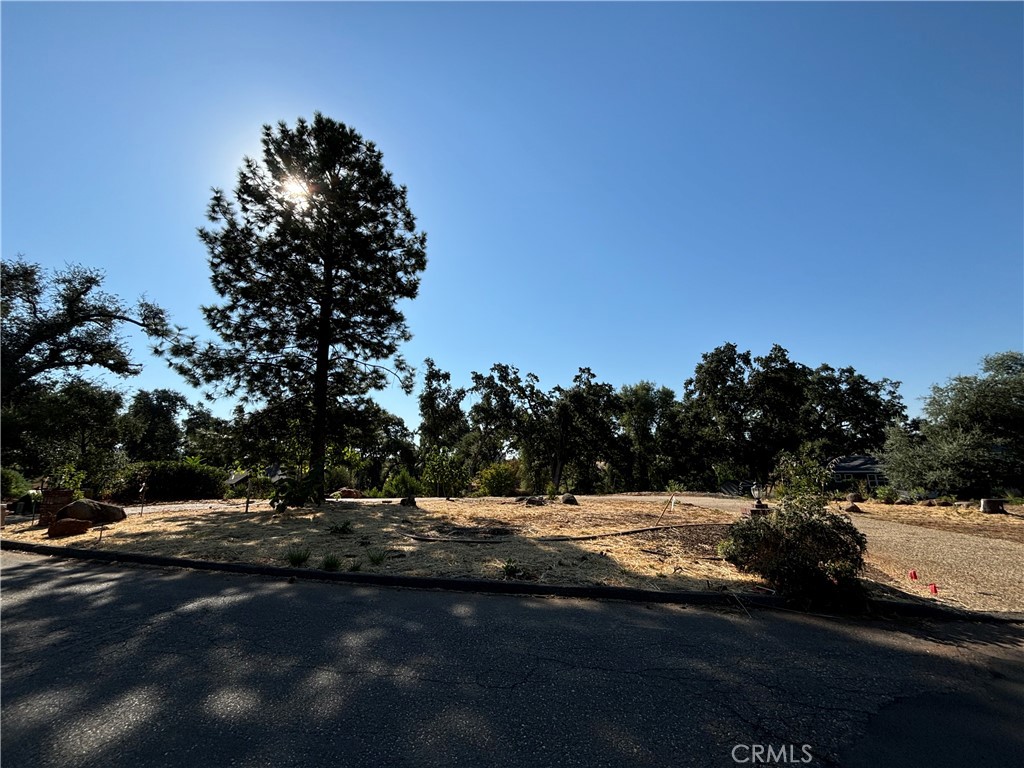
<point x="310" y="259"/>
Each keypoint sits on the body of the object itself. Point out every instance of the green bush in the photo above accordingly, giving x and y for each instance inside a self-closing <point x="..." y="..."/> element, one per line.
<point x="887" y="494"/>
<point x="12" y="484"/>
<point x="176" y="481"/>
<point x="501" y="479"/>
<point x="802" y="553"/>
<point x="401" y="485"/>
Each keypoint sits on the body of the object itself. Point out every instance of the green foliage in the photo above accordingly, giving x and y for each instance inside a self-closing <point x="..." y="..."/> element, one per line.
<point x="343" y="528"/>
<point x="297" y="557"/>
<point x="442" y="422"/>
<point x="510" y="569"/>
<point x="401" y="485"/>
<point x="12" y="484"/>
<point x="67" y="476"/>
<point x="501" y="479"/>
<point x="887" y="494"/>
<point x="176" y="481"/>
<point x="801" y="476"/>
<point x="330" y="562"/>
<point x="803" y="551"/>
<point x="150" y="428"/>
<point x="972" y="439"/>
<point x="565" y="431"/>
<point x="63" y="321"/>
<point x="745" y="411"/>
<point x="445" y="474"/>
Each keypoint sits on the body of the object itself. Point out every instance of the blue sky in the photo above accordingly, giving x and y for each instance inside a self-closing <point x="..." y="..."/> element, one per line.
<point x="619" y="186"/>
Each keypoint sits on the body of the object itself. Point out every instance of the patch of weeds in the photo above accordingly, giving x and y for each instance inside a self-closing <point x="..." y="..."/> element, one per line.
<point x="356" y="566"/>
<point x="341" y="529"/>
<point x="510" y="569"/>
<point x="330" y="562"/>
<point x="377" y="555"/>
<point x="297" y="557"/>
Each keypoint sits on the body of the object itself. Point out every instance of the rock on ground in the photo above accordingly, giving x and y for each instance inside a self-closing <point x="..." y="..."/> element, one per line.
<point x="67" y="527"/>
<point x="93" y="511"/>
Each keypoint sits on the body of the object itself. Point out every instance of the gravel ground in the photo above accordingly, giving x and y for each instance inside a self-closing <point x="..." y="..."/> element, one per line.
<point x="973" y="572"/>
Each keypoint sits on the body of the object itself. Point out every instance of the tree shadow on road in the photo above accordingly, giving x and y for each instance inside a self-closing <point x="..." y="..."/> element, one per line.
<point x="126" y="666"/>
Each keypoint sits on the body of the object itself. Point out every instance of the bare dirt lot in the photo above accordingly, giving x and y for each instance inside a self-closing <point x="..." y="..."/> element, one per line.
<point x="635" y="541"/>
<point x="468" y="538"/>
<point x="971" y="520"/>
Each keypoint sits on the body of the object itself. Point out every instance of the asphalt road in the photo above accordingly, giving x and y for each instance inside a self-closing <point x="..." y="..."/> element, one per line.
<point x="127" y="666"/>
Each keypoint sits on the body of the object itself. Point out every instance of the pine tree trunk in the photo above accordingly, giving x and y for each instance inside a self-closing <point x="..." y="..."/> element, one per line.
<point x="321" y="376"/>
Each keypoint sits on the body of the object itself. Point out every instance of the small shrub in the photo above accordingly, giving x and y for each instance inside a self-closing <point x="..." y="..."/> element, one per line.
<point x="376" y="555"/>
<point x="330" y="562"/>
<point x="341" y="529"/>
<point x="887" y="494"/>
<point x="401" y="485"/>
<point x="12" y="484"/>
<point x="297" y="557"/>
<point x="800" y="550"/>
<point x="499" y="479"/>
<point x="510" y="569"/>
<point x="356" y="566"/>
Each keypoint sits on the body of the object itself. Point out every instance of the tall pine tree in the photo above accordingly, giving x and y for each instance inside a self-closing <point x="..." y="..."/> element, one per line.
<point x="310" y="261"/>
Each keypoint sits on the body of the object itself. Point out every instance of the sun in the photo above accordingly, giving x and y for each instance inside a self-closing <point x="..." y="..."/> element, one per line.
<point x="295" y="190"/>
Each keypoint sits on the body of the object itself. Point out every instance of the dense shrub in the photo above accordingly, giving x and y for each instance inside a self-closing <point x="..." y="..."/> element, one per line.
<point x="401" y="485"/>
<point x="802" y="550"/>
<point x="12" y="483"/>
<point x="501" y="479"/>
<point x="445" y="474"/>
<point x="176" y="481"/>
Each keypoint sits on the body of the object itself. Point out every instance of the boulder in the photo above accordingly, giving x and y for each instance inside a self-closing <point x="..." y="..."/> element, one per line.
<point x="928" y="503"/>
<point x="904" y="501"/>
<point x="854" y="498"/>
<point x="408" y="501"/>
<point x="348" y="493"/>
<point x="943" y="503"/>
<point x="568" y="498"/>
<point x="851" y="508"/>
<point x="68" y="526"/>
<point x="93" y="511"/>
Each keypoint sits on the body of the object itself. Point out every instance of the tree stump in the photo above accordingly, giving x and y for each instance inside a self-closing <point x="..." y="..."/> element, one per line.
<point x="993" y="506"/>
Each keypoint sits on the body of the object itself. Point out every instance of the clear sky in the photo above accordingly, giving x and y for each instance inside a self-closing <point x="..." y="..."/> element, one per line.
<point x="616" y="185"/>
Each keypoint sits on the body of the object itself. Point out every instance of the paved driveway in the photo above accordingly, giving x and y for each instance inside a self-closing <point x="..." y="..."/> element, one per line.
<point x="126" y="667"/>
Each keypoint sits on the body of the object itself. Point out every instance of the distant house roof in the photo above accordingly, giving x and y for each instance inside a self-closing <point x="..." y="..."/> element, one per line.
<point x="857" y="465"/>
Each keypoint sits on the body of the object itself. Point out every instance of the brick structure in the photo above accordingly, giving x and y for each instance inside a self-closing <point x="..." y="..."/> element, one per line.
<point x="54" y="499"/>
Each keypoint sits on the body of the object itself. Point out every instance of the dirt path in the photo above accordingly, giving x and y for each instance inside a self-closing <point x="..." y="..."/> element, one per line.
<point x="974" y="572"/>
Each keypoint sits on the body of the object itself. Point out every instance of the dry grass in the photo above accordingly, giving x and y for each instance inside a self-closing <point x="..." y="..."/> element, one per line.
<point x="507" y="539"/>
<point x="959" y="519"/>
